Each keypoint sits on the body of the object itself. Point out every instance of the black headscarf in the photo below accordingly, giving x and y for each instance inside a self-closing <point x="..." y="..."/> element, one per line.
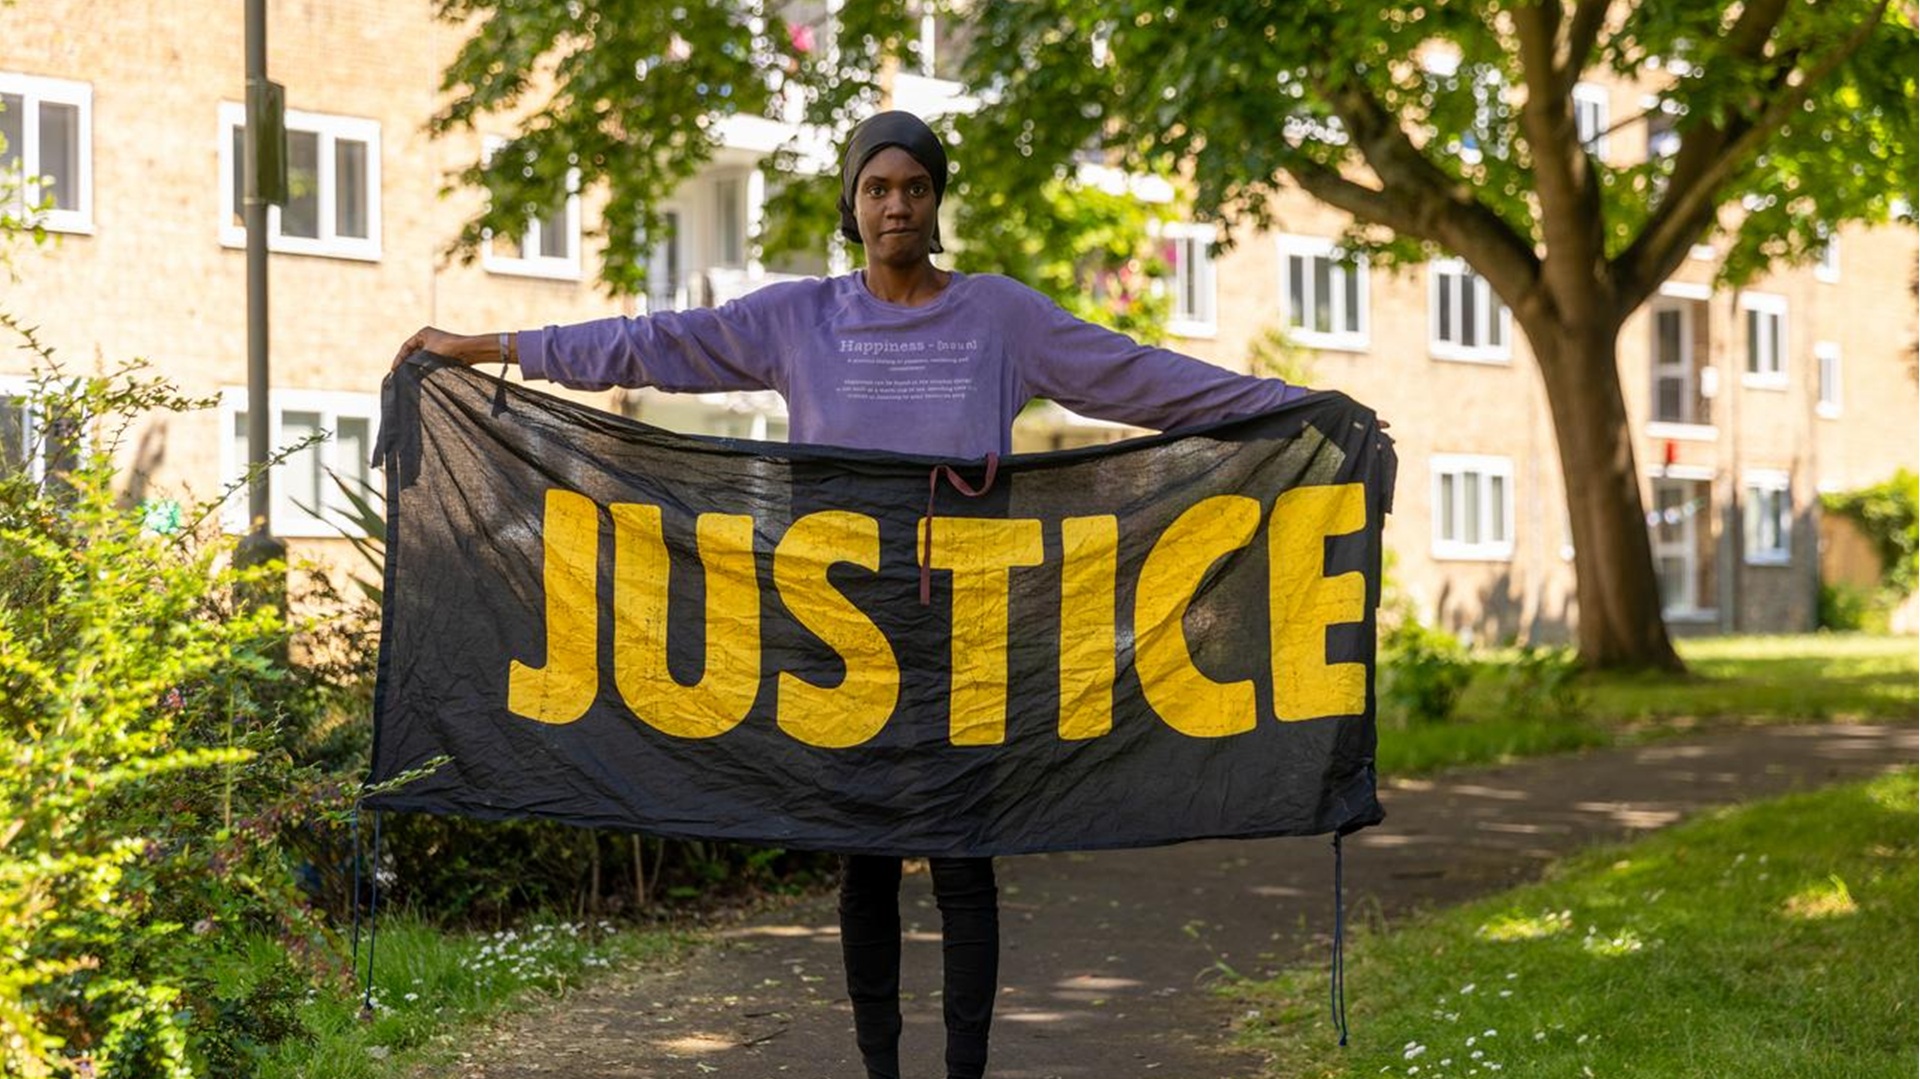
<point x="876" y="133"/>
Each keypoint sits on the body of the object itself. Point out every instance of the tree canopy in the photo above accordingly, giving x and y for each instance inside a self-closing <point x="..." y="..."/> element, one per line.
<point x="1438" y="127"/>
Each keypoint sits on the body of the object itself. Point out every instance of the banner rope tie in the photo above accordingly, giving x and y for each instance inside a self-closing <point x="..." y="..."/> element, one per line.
<point x="1338" y="973"/>
<point x="926" y="523"/>
<point x="500" y="389"/>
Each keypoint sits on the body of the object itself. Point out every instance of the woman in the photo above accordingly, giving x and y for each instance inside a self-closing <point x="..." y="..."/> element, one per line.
<point x="905" y="357"/>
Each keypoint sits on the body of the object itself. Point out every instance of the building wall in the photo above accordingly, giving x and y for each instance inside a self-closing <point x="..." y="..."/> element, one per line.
<point x="153" y="278"/>
<point x="1745" y="429"/>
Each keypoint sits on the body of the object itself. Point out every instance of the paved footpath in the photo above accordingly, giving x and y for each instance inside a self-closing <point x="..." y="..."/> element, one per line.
<point x="1107" y="958"/>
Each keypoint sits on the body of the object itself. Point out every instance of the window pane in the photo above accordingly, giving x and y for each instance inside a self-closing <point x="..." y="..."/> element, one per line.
<point x="1470" y="507"/>
<point x="1350" y="283"/>
<point x="13" y="434"/>
<point x="239" y="176"/>
<point x="1666" y="337"/>
<point x="1296" y="290"/>
<point x="242" y="453"/>
<point x="353" y="452"/>
<point x="300" y="479"/>
<point x="1189" y="279"/>
<point x="301" y="215"/>
<point x="11" y="134"/>
<point x="1673" y="582"/>
<point x="555" y="237"/>
<point x="1669" y="397"/>
<point x="1470" y="298"/>
<point x="350" y="192"/>
<point x="1668" y="505"/>
<point x="1753" y="341"/>
<point x="1446" y="306"/>
<point x="1323" y="294"/>
<point x="1497" y="499"/>
<point x="1497" y="318"/>
<point x="11" y="129"/>
<point x="1449" y="522"/>
<point x="733" y="240"/>
<point x="60" y="154"/>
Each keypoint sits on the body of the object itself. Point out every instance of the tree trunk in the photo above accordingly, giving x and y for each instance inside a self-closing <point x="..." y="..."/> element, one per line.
<point x="1620" y="626"/>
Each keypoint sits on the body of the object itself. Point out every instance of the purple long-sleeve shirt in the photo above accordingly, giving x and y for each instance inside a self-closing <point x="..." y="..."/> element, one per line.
<point x="944" y="378"/>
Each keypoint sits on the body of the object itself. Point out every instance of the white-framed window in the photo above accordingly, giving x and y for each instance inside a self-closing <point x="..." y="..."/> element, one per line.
<point x="1188" y="249"/>
<point x="1766" y="325"/>
<point x="1674" y="399"/>
<point x="1682" y="547"/>
<point x="1472" y="507"/>
<point x="306" y="500"/>
<point x="26" y="445"/>
<point x="47" y="127"/>
<point x="333" y="180"/>
<point x="667" y="288"/>
<point x="1827" y="398"/>
<point x="550" y="246"/>
<point x="1325" y="299"/>
<point x="1768" y="517"/>
<point x="1827" y="266"/>
<point x="1590" y="117"/>
<point x="1467" y="320"/>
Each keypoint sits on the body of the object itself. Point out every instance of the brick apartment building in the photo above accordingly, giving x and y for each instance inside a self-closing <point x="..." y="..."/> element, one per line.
<point x="1747" y="404"/>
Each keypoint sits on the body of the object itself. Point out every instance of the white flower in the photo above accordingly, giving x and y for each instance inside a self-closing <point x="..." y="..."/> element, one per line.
<point x="1414" y="1049"/>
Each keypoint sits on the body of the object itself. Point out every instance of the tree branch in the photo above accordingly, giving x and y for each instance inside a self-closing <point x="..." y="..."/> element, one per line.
<point x="1439" y="208"/>
<point x="1692" y="199"/>
<point x="1583" y="35"/>
<point x="1571" y="217"/>
<point x="1368" y="204"/>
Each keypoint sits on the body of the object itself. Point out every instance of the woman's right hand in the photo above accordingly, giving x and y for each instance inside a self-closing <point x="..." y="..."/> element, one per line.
<point x="469" y="349"/>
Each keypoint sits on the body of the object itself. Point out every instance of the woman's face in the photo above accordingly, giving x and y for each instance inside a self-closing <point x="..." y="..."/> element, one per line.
<point x="894" y="206"/>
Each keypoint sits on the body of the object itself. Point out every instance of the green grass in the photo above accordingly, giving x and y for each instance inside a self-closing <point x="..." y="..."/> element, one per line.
<point x="1775" y="940"/>
<point x="1798" y="679"/>
<point x="429" y="983"/>
<point x="1808" y="677"/>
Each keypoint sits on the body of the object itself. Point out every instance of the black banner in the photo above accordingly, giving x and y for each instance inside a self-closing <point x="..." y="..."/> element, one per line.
<point x="613" y="625"/>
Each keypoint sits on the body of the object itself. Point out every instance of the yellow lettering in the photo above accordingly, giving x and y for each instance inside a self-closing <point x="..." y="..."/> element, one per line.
<point x="1186" y="699"/>
<point x="730" y="678"/>
<point x="981" y="552"/>
<point x="1090" y="546"/>
<point x="834" y="717"/>
<point x="1304" y="602"/>
<point x="563" y="690"/>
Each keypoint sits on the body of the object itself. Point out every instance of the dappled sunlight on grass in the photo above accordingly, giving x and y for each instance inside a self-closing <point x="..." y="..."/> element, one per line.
<point x="1769" y="941"/>
<point x="1829" y="899"/>
<point x="1809" y="678"/>
<point x="1511" y="927"/>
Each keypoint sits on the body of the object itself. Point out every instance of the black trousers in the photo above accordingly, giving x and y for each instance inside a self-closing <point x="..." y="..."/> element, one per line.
<point x="969" y="903"/>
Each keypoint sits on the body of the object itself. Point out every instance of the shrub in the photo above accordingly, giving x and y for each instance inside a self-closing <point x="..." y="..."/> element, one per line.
<point x="1852" y="608"/>
<point x="1889" y="514"/>
<point x="1422" y="671"/>
<point x="147" y="765"/>
<point x="1542" y="682"/>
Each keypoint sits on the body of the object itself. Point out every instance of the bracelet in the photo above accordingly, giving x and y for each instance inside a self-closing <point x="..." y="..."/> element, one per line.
<point x="504" y="355"/>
